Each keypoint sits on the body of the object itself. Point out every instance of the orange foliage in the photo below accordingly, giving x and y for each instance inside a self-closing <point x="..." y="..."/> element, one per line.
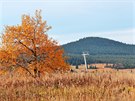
<point x="28" y="46"/>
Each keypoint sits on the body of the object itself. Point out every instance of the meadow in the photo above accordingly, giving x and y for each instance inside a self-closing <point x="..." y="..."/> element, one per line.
<point x="93" y="85"/>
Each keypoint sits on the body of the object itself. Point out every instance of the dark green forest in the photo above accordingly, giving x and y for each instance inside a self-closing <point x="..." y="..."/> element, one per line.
<point x="101" y="50"/>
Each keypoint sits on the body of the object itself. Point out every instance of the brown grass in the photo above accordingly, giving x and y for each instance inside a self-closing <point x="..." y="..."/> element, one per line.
<point x="94" y="85"/>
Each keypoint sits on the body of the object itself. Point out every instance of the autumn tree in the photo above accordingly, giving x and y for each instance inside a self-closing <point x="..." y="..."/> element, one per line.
<point x="28" y="46"/>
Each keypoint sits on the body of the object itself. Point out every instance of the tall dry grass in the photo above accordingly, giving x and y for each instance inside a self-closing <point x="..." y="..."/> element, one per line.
<point x="91" y="86"/>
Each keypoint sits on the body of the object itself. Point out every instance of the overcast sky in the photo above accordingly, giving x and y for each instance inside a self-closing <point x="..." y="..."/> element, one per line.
<point x="75" y="19"/>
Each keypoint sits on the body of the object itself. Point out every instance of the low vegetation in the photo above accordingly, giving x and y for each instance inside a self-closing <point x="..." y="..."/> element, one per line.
<point x="94" y="85"/>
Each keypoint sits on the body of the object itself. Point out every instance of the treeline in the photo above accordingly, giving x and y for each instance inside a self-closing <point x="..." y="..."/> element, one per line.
<point x="120" y="61"/>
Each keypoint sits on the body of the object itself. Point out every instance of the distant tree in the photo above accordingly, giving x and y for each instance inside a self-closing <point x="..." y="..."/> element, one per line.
<point x="77" y="67"/>
<point x="92" y="67"/>
<point x="28" y="46"/>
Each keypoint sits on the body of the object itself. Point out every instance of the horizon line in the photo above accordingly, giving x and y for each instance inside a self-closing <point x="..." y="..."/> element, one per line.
<point x="98" y="37"/>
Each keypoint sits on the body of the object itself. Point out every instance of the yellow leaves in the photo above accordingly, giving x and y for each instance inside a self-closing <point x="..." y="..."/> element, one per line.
<point x="3" y="72"/>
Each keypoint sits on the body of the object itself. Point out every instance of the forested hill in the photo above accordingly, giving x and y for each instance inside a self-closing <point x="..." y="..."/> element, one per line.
<point x="99" y="46"/>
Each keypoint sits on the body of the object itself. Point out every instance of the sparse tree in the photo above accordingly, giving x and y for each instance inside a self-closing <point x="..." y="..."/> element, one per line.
<point x="28" y="46"/>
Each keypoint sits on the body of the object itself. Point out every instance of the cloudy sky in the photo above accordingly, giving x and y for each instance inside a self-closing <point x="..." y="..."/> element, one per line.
<point x="75" y="19"/>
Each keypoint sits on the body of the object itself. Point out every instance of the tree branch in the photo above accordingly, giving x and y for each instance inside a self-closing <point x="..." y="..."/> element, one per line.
<point x="26" y="70"/>
<point x="27" y="47"/>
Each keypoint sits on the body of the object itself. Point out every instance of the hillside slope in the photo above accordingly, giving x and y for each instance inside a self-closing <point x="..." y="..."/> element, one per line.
<point x="99" y="46"/>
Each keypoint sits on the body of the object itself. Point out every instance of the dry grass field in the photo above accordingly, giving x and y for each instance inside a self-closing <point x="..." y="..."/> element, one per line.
<point x="94" y="85"/>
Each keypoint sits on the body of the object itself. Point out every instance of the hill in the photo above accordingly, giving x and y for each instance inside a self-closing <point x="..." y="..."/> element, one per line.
<point x="101" y="50"/>
<point x="99" y="46"/>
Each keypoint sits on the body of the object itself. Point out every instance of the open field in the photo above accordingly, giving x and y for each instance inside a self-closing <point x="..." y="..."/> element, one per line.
<point x="94" y="85"/>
